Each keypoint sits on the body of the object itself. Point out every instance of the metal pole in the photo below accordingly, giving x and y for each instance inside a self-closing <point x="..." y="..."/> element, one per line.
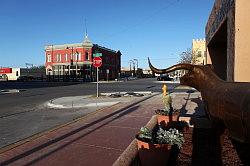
<point x="129" y="67"/>
<point x="52" y="61"/>
<point x="107" y="76"/>
<point x="136" y="60"/>
<point x="133" y="68"/>
<point x="58" y="73"/>
<point x="76" y="63"/>
<point x="71" y="59"/>
<point x="97" y="79"/>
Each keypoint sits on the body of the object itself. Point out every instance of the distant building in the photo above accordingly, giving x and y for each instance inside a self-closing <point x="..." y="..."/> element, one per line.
<point x="199" y="51"/>
<point x="74" y="61"/>
<point x="146" y="71"/>
<point x="12" y="74"/>
<point x="140" y="73"/>
<point x="125" y="72"/>
<point x="228" y="39"/>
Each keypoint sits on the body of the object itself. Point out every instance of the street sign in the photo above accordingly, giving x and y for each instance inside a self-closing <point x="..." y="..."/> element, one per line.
<point x="97" y="61"/>
<point x="97" y="54"/>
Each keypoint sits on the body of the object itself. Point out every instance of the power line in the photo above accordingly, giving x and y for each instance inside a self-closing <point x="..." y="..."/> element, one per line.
<point x="140" y="23"/>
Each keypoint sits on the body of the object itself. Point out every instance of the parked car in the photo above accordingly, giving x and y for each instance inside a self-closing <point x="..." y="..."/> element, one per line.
<point x="164" y="77"/>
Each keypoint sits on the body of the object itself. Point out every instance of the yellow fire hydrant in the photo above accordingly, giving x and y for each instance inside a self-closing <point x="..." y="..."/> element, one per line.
<point x="164" y="90"/>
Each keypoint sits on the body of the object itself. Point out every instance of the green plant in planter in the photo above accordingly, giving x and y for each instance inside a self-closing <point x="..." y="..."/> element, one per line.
<point x="154" y="146"/>
<point x="171" y="136"/>
<point x="168" y="109"/>
<point x="167" y="101"/>
<point x="161" y="136"/>
<point x="145" y="133"/>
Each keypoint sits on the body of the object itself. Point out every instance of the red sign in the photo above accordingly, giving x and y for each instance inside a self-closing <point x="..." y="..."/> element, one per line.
<point x="5" y="70"/>
<point x="97" y="61"/>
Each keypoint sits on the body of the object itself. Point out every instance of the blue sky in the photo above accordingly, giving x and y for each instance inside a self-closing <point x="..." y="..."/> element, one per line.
<point x="159" y="29"/>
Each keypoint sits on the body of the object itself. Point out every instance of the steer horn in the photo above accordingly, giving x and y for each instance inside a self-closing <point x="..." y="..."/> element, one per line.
<point x="172" y="68"/>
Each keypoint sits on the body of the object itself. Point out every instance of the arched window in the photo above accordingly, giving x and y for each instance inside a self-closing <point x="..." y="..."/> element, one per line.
<point x="66" y="57"/>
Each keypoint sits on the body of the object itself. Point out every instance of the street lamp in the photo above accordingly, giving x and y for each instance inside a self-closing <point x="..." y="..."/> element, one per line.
<point x="131" y="61"/>
<point x="136" y="66"/>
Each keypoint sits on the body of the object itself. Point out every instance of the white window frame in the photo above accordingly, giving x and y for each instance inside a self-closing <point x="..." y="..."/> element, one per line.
<point x="66" y="57"/>
<point x="48" y="58"/>
<point x="76" y="56"/>
<point x="58" y="57"/>
<point x="79" y="56"/>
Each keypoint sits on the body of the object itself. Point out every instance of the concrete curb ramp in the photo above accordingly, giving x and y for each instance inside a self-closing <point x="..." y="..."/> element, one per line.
<point x="8" y="91"/>
<point x="105" y="99"/>
<point x="99" y="104"/>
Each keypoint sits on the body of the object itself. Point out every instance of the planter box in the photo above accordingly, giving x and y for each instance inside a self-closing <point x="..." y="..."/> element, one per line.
<point x="153" y="154"/>
<point x="130" y="157"/>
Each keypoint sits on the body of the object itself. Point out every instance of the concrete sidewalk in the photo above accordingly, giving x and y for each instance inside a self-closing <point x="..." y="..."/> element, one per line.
<point x="99" y="138"/>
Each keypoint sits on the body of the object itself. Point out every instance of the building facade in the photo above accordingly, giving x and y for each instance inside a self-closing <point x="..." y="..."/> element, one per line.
<point x="74" y="61"/>
<point x="199" y="51"/>
<point x="228" y="39"/>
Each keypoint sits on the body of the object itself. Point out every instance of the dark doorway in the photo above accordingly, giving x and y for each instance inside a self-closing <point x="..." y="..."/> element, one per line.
<point x="217" y="49"/>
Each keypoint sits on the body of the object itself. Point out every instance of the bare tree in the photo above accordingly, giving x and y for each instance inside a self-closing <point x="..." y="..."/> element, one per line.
<point x="40" y="68"/>
<point x="186" y="56"/>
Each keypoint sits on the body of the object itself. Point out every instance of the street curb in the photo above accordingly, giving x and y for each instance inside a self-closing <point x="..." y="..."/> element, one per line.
<point x="123" y="93"/>
<point x="52" y="104"/>
<point x="184" y="87"/>
<point x="9" y="91"/>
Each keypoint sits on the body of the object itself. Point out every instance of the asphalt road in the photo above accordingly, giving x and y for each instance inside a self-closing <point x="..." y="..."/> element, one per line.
<point x="24" y="114"/>
<point x="33" y="97"/>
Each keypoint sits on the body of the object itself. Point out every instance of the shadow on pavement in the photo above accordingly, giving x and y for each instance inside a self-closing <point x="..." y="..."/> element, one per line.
<point x="119" y="113"/>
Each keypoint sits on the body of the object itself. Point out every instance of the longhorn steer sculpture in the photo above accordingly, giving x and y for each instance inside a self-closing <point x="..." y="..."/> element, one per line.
<point x="227" y="101"/>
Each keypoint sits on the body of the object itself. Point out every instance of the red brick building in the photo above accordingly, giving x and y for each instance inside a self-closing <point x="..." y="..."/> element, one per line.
<point x="74" y="61"/>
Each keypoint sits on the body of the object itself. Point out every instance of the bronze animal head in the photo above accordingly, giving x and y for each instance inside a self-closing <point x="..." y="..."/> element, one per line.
<point x="195" y="75"/>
